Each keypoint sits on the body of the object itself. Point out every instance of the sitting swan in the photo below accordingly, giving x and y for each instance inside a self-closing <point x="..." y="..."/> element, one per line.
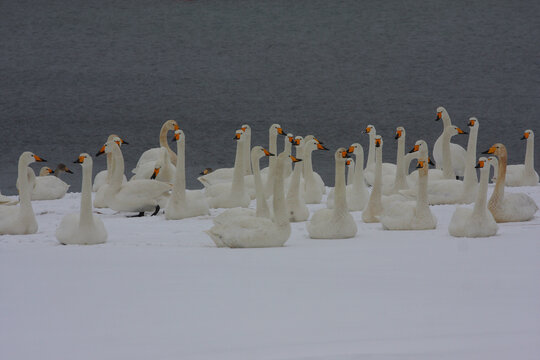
<point x="336" y="223"/>
<point x="249" y="231"/>
<point x="153" y="154"/>
<point x="183" y="204"/>
<point x="476" y="222"/>
<point x="262" y="209"/>
<point x="167" y="170"/>
<point x="83" y="228"/>
<point x="411" y="215"/>
<point x="507" y="207"/>
<point x="20" y="219"/>
<point x="104" y="177"/>
<point x="524" y="174"/>
<point x="133" y="196"/>
<point x="457" y="152"/>
<point x="51" y="187"/>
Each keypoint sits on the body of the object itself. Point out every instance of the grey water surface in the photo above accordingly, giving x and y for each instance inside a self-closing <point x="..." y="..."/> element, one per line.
<point x="73" y="72"/>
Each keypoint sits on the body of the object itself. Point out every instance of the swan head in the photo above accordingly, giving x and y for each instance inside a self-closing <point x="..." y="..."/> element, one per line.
<point x="290" y="138"/>
<point x="370" y="129"/>
<point x="473" y="122"/>
<point x="482" y="162"/>
<point x="28" y="157"/>
<point x="171" y="125"/>
<point x="178" y="135"/>
<point x="109" y="147"/>
<point x="276" y="128"/>
<point x="298" y="140"/>
<point x="454" y="130"/>
<point x="342" y="154"/>
<point x="493" y="161"/>
<point x="84" y="159"/>
<point x="206" y="171"/>
<point x="238" y="135"/>
<point x="258" y="152"/>
<point x="441" y="111"/>
<point x="378" y="141"/>
<point x="497" y="150"/>
<point x="400" y="131"/>
<point x="246" y="128"/>
<point x="294" y="159"/>
<point x="45" y="170"/>
<point x="528" y="134"/>
<point x="356" y="149"/>
<point x="350" y="162"/>
<point x="119" y="141"/>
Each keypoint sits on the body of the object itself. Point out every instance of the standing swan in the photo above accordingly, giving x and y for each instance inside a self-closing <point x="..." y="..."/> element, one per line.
<point x="83" y="228"/>
<point x="374" y="207"/>
<point x="410" y="215"/>
<point x="511" y="206"/>
<point x="253" y="232"/>
<point x="18" y="220"/>
<point x="476" y="222"/>
<point x="457" y="152"/>
<point x="153" y="154"/>
<point x="524" y="174"/>
<point x="184" y="204"/>
<point x="336" y="223"/>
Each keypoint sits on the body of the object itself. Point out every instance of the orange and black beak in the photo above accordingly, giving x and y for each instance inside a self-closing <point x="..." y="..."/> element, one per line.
<point x="439" y="116"/>
<point x="480" y="164"/>
<point x="350" y="150"/>
<point x="39" y="159"/>
<point x="50" y="171"/>
<point x="377" y="142"/>
<point x="236" y="137"/>
<point x="415" y="149"/>
<point x="525" y="136"/>
<point x="281" y="132"/>
<point x="491" y="150"/>
<point x="294" y="159"/>
<point x="366" y="130"/>
<point x="430" y="162"/>
<point x="68" y="171"/>
<point x="79" y="160"/>
<point x="461" y="131"/>
<point x="317" y="140"/>
<point x="345" y="154"/>
<point x="121" y="142"/>
<point x="420" y="164"/>
<point x="156" y="172"/>
<point x="267" y="153"/>
<point x="206" y="171"/>
<point x="321" y="147"/>
<point x="101" y="151"/>
<point x="471" y="123"/>
<point x="348" y="162"/>
<point x="296" y="142"/>
<point x="175" y="137"/>
<point x="398" y="134"/>
<point x="176" y="127"/>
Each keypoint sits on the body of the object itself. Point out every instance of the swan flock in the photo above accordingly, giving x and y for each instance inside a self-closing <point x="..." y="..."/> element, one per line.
<point x="262" y="203"/>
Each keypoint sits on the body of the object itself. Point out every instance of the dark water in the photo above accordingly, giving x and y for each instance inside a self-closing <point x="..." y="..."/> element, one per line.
<point x="74" y="72"/>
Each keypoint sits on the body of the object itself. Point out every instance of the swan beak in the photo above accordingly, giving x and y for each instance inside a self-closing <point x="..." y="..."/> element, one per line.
<point x="281" y="132"/>
<point x="491" y="150"/>
<point x="291" y="139"/>
<point x="39" y="159"/>
<point x="415" y="149"/>
<point x="156" y="172"/>
<point x="480" y="164"/>
<point x="50" y="171"/>
<point x="79" y="160"/>
<point x="267" y="153"/>
<point x="317" y="140"/>
<point x="439" y="116"/>
<point x="296" y="142"/>
<point x="525" y="136"/>
<point x="294" y="159"/>
<point x="420" y="164"/>
<point x="350" y="150"/>
<point x="366" y="131"/>
<point x="321" y="147"/>
<point x="348" y="162"/>
<point x="461" y="131"/>
<point x="430" y="162"/>
<point x="206" y="171"/>
<point x="471" y="123"/>
<point x="68" y="171"/>
<point x="236" y="137"/>
<point x="377" y="142"/>
<point x="101" y="151"/>
<point x="123" y="142"/>
<point x="398" y="134"/>
<point x="176" y="127"/>
<point x="345" y="154"/>
<point x="175" y="137"/>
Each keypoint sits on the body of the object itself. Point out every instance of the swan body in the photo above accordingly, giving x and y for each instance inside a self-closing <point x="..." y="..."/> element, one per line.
<point x="51" y="187"/>
<point x="523" y="174"/>
<point x="255" y="232"/>
<point x="411" y="215"/>
<point x="83" y="228"/>
<point x="136" y="195"/>
<point x="20" y="219"/>
<point x="387" y="169"/>
<point x="336" y="223"/>
<point x="183" y="204"/>
<point x="476" y="222"/>
<point x="154" y="153"/>
<point x="262" y="209"/>
<point x="458" y="154"/>
<point x="374" y="206"/>
<point x="508" y="207"/>
<point x="166" y="172"/>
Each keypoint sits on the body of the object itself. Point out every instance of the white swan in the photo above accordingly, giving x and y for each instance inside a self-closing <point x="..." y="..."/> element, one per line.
<point x="104" y="177"/>
<point x="476" y="222"/>
<point x="273" y="132"/>
<point x="296" y="206"/>
<point x="133" y="196"/>
<point x="457" y="152"/>
<point x="262" y="209"/>
<point x="184" y="204"/>
<point x="369" y="171"/>
<point x="20" y="219"/>
<point x="374" y="206"/>
<point x="46" y="171"/>
<point x="350" y="171"/>
<point x="166" y="172"/>
<point x="234" y="194"/>
<point x="392" y="184"/>
<point x="336" y="223"/>
<point x="83" y="228"/>
<point x="506" y="207"/>
<point x="50" y="187"/>
<point x="470" y="179"/>
<point x="313" y="191"/>
<point x="287" y="147"/>
<point x="411" y="215"/>
<point x="249" y="231"/>
<point x="153" y="154"/>
<point x="247" y="148"/>
<point x="523" y="174"/>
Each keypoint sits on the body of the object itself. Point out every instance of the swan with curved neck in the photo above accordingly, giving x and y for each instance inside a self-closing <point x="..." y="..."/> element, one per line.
<point x="387" y="169"/>
<point x="524" y="174"/>
<point x="252" y="232"/>
<point x="153" y="154"/>
<point x="83" y="228"/>
<point x="183" y="204"/>
<point x="411" y="215"/>
<point x="374" y="207"/>
<point x="336" y="223"/>
<point x="478" y="221"/>
<point x="262" y="209"/>
<point x="20" y="219"/>
<point x="447" y="167"/>
<point x="136" y="195"/>
<point x="506" y="207"/>
<point x="470" y="179"/>
<point x="457" y="152"/>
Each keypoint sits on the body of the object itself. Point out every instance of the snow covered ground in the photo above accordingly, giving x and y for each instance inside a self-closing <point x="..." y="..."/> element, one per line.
<point x="161" y="290"/>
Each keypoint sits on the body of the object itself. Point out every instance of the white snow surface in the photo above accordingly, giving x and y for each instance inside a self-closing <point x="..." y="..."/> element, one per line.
<point x="160" y="289"/>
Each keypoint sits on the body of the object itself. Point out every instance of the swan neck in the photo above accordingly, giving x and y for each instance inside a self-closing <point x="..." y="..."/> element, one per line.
<point x="469" y="177"/>
<point x="400" y="180"/>
<point x="378" y="173"/>
<point x="340" y="197"/>
<point x="272" y="147"/>
<point x="262" y="209"/>
<point x="529" y="155"/>
<point x="163" y="142"/>
<point x="481" y="196"/>
<point x="498" y="192"/>
<point x="110" y="168"/>
<point x="179" y="187"/>
<point x="359" y="172"/>
<point x="448" y="171"/>
<point x="86" y="216"/>
<point x="118" y="161"/>
<point x="308" y="166"/>
<point x="25" y="192"/>
<point x="281" y="217"/>
<point x="422" y="199"/>
<point x="371" y="149"/>
<point x="294" y="186"/>
<point x="238" y="171"/>
<point x="350" y="174"/>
